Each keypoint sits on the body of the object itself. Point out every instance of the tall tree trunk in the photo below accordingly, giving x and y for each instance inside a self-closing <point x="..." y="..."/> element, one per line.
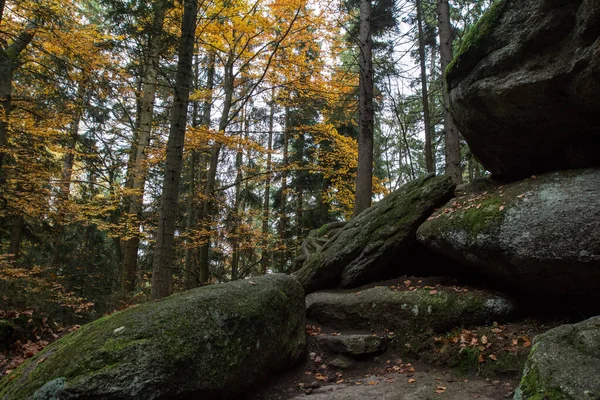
<point x="191" y="212"/>
<point x="10" y="53"/>
<point x="235" y="256"/>
<point x="16" y="234"/>
<point x="283" y="218"/>
<point x="264" y="261"/>
<point x="424" y="92"/>
<point x="194" y="256"/>
<point x="163" y="259"/>
<point x="453" y="167"/>
<point x="143" y="134"/>
<point x="323" y="203"/>
<point x="9" y="61"/>
<point x="364" y="172"/>
<point x="299" y="213"/>
<point x="64" y="189"/>
<point x="211" y="177"/>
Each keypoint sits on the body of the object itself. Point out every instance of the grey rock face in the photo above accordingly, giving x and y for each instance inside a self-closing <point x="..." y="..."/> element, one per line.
<point x="209" y="342"/>
<point x="540" y="235"/>
<point x="406" y="312"/>
<point x="367" y="244"/>
<point x="523" y="89"/>
<point x="564" y="363"/>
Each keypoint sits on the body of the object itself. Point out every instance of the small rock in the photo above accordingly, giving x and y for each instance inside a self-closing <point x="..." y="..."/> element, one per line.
<point x="308" y="391"/>
<point x="341" y="362"/>
<point x="354" y="345"/>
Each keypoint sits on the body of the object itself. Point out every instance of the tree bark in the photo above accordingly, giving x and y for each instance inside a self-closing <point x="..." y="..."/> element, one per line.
<point x="191" y="206"/>
<point x="64" y="190"/>
<point x="283" y="218"/>
<point x="264" y="261"/>
<point x="424" y="92"/>
<point x="16" y="234"/>
<point x="235" y="255"/>
<point x="196" y="272"/>
<point x="144" y="125"/>
<point x="163" y="258"/>
<point x="364" y="172"/>
<point x="9" y="62"/>
<point x="211" y="178"/>
<point x="453" y="167"/>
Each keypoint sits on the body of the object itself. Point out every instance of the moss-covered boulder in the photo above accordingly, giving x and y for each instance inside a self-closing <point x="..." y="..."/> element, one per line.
<point x="364" y="248"/>
<point x="523" y="87"/>
<point x="214" y="341"/>
<point x="564" y="364"/>
<point x="540" y="235"/>
<point x="407" y="313"/>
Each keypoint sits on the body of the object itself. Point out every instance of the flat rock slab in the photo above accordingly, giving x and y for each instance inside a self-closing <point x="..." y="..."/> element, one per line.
<point x="210" y="342"/>
<point x="406" y="312"/>
<point x="564" y="363"/>
<point x="424" y="387"/>
<point x="367" y="244"/>
<point x="539" y="235"/>
<point x="354" y="345"/>
<point x="523" y="87"/>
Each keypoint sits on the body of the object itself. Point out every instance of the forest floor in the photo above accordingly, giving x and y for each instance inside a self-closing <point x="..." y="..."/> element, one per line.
<point x="480" y="362"/>
<point x="396" y="375"/>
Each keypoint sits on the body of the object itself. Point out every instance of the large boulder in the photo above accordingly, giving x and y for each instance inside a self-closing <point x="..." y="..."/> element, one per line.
<point x="539" y="235"/>
<point x="564" y="363"/>
<point x="407" y="313"/>
<point x="366" y="245"/>
<point x="209" y="342"/>
<point x="523" y="88"/>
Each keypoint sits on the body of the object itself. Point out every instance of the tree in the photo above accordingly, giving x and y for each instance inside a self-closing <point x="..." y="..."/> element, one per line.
<point x="364" y="172"/>
<point x="453" y="167"/>
<point x="163" y="259"/>
<point x="424" y="92"/>
<point x="11" y="51"/>
<point x="138" y="166"/>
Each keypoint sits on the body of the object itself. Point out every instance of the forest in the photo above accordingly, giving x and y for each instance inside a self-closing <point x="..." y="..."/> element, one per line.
<point x="152" y="147"/>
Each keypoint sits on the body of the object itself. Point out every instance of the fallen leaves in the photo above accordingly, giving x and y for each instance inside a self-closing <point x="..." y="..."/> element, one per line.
<point x="321" y="377"/>
<point x="411" y="380"/>
<point x="313" y="330"/>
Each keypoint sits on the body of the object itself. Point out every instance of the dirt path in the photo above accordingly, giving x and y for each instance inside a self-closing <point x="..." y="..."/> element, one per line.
<point x="382" y="378"/>
<point x="426" y="386"/>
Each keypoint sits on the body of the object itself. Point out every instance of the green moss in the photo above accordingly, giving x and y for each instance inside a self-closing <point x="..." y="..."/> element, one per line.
<point x="478" y="220"/>
<point x="480" y="216"/>
<point x="473" y="45"/>
<point x="533" y="388"/>
<point x="197" y="340"/>
<point x="468" y="361"/>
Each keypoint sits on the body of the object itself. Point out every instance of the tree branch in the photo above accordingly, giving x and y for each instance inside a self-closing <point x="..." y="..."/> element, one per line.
<point x="16" y="48"/>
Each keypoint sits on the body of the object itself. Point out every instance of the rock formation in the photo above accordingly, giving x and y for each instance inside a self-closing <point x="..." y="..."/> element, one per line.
<point x="366" y="245"/>
<point x="524" y="86"/>
<point x="214" y="341"/>
<point x="537" y="235"/>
